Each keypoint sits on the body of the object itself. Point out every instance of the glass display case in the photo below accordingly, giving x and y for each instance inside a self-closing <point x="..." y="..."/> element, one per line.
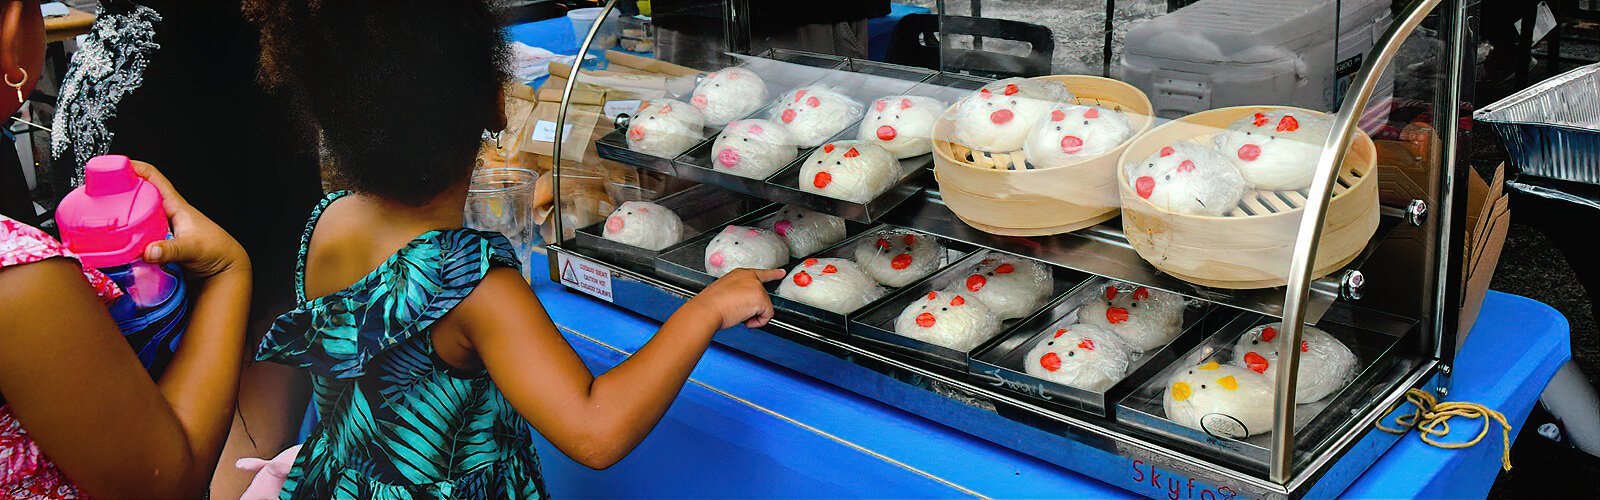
<point x="1210" y="241"/>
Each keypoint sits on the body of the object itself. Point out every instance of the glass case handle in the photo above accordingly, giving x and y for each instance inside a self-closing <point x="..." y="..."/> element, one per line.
<point x="561" y="120"/>
<point x="1310" y="231"/>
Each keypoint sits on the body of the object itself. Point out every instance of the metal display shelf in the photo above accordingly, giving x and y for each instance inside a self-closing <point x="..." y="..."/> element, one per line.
<point x="1403" y="338"/>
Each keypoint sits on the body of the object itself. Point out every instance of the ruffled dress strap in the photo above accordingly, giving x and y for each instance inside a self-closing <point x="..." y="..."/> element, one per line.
<point x="23" y="244"/>
<point x="337" y="334"/>
<point x="305" y="245"/>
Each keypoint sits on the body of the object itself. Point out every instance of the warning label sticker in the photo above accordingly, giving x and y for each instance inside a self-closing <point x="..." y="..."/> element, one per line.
<point x="585" y="275"/>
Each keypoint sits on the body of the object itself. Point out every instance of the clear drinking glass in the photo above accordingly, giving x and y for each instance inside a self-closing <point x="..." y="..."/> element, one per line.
<point x="501" y="200"/>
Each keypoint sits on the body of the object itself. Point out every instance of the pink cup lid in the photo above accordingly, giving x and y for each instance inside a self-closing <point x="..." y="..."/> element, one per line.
<point x="115" y="214"/>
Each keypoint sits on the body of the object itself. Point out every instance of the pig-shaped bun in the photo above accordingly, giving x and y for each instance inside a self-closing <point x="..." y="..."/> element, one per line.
<point x="1072" y="133"/>
<point x="952" y="320"/>
<point x="753" y="148"/>
<point x="1012" y="287"/>
<point x="1083" y="356"/>
<point x="1220" y="400"/>
<point x="665" y="128"/>
<point x="835" y="285"/>
<point x="898" y="257"/>
<point x="729" y="94"/>
<point x="813" y="114"/>
<point x="1188" y="178"/>
<point x="747" y="247"/>
<point x="1276" y="150"/>
<point x="998" y="117"/>
<point x="1144" y="318"/>
<point x="643" y="224"/>
<point x="805" y="231"/>
<point x="903" y="125"/>
<point x="1325" y="363"/>
<point x="849" y="170"/>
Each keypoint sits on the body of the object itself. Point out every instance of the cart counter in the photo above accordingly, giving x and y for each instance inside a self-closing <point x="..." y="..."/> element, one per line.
<point x="744" y="427"/>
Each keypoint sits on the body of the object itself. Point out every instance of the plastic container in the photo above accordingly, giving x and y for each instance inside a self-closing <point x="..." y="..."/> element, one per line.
<point x="1220" y="53"/>
<point x="583" y="18"/>
<point x="108" y="222"/>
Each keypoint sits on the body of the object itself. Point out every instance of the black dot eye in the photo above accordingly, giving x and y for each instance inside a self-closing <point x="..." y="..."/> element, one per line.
<point x="1202" y="386"/>
<point x="652" y="118"/>
<point x="1133" y="304"/>
<point x="1255" y="342"/>
<point x="897" y="117"/>
<point x="747" y="139"/>
<point x="630" y="213"/>
<point x="736" y="243"/>
<point x="1169" y="177"/>
<point x="1191" y="372"/>
<point x="944" y="309"/>
<point x="1246" y="133"/>
<point x="1058" y="128"/>
<point x="1086" y="122"/>
<point x="838" y="162"/>
<point x="1072" y="353"/>
<point x="1050" y="343"/>
<point x="1013" y="102"/>
<point x="799" y="216"/>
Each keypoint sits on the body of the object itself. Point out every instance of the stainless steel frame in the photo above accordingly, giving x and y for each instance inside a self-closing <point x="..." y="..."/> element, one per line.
<point x="1310" y="233"/>
<point x="1098" y="447"/>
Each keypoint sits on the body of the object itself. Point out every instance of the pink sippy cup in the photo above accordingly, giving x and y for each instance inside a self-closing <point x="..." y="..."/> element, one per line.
<point x="110" y="220"/>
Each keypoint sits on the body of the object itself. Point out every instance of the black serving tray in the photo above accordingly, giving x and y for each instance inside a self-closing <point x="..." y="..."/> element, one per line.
<point x="999" y="363"/>
<point x="684" y="263"/>
<point x="701" y="208"/>
<point x="834" y="324"/>
<point x="876" y="326"/>
<point x="1374" y="344"/>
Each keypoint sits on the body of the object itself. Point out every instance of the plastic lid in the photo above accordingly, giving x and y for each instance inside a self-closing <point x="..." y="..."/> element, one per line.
<point x="115" y="214"/>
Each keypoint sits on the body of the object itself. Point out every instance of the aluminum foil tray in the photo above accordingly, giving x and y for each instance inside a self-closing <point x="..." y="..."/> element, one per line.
<point x="1552" y="129"/>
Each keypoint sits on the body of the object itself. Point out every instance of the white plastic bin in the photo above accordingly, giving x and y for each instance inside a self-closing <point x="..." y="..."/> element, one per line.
<point x="1220" y="53"/>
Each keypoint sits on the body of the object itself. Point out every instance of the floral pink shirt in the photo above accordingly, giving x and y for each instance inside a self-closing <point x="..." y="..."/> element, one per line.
<point x="25" y="472"/>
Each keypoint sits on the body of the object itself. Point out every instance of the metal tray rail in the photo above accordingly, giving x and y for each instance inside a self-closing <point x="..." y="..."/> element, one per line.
<point x="1103" y="250"/>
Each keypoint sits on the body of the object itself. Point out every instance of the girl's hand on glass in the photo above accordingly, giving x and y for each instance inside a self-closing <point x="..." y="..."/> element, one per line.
<point x="198" y="244"/>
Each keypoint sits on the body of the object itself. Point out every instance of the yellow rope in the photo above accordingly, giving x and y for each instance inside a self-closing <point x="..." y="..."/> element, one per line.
<point x="1432" y="420"/>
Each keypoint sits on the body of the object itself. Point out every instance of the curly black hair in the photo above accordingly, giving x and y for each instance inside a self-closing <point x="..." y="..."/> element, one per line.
<point x="397" y="93"/>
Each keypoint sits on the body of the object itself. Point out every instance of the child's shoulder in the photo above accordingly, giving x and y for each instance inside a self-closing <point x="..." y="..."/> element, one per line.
<point x="403" y="298"/>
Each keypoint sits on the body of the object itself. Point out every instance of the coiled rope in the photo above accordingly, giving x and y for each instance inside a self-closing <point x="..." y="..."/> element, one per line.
<point x="1432" y="420"/>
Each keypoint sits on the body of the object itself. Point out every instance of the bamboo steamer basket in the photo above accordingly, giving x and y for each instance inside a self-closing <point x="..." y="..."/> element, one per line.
<point x="1000" y="193"/>
<point x="1252" y="245"/>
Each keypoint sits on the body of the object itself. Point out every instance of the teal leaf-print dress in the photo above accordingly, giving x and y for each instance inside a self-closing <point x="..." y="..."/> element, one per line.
<point x="396" y="422"/>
